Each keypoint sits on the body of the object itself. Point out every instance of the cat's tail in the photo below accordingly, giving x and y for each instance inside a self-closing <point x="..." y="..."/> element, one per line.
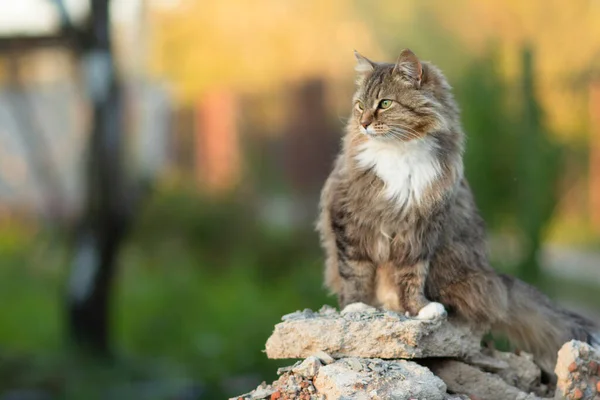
<point x="539" y="326"/>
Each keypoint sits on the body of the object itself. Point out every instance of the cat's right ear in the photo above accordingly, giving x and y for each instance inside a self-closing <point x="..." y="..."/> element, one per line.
<point x="363" y="67"/>
<point x="409" y="68"/>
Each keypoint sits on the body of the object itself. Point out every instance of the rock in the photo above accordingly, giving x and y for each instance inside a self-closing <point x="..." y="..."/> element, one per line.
<point x="283" y="370"/>
<point x="308" y="368"/>
<point x="263" y="391"/>
<point x="517" y="370"/>
<point x="469" y="380"/>
<point x="522" y="372"/>
<point x="324" y="357"/>
<point x="577" y="371"/>
<point x="344" y="352"/>
<point x="358" y="308"/>
<point x="487" y="362"/>
<point x="362" y="331"/>
<point x="359" y="378"/>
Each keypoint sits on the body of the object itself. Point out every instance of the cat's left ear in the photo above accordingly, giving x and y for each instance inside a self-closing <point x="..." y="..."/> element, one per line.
<point x="409" y="68"/>
<point x="363" y="67"/>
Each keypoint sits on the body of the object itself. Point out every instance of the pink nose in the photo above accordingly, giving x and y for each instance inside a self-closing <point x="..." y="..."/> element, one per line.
<point x="365" y="124"/>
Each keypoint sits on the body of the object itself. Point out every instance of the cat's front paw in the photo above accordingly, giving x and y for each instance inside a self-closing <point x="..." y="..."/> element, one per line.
<point x="432" y="311"/>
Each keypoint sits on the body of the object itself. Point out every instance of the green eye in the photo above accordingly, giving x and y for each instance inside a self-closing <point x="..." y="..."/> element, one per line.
<point x="383" y="104"/>
<point x="360" y="106"/>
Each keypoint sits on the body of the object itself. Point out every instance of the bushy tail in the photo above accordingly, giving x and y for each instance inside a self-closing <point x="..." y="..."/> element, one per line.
<point x="539" y="326"/>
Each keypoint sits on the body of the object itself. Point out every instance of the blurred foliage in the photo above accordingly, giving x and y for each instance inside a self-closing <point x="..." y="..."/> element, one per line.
<point x="540" y="162"/>
<point x="202" y="283"/>
<point x="512" y="161"/>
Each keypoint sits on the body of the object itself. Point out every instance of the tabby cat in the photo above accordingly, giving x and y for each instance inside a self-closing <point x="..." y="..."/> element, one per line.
<point x="399" y="224"/>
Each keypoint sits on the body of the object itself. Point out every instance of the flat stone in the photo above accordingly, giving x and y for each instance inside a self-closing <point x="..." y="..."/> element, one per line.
<point x="308" y="368"/>
<point x="522" y="372"/>
<point x="378" y="379"/>
<point x="577" y="371"/>
<point x="362" y="331"/>
<point x="324" y="357"/>
<point x="471" y="381"/>
<point x="358" y="308"/>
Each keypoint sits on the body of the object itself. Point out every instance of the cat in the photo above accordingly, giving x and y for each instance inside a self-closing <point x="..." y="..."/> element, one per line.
<point x="399" y="225"/>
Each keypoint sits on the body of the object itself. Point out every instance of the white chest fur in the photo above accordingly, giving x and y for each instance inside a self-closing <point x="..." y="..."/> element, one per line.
<point x="407" y="168"/>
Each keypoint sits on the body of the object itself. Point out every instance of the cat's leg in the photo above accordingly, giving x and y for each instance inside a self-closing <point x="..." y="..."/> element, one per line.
<point x="410" y="281"/>
<point x="357" y="281"/>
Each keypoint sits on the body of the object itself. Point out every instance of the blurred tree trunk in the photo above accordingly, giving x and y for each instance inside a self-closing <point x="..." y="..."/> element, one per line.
<point x="182" y="140"/>
<point x="310" y="144"/>
<point x="594" y="172"/>
<point x="106" y="215"/>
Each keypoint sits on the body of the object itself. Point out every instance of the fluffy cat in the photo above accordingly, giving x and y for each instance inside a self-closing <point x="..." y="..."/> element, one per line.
<point x="399" y="224"/>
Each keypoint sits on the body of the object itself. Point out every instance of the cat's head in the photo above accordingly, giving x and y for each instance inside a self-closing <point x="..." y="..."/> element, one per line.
<point x="402" y="101"/>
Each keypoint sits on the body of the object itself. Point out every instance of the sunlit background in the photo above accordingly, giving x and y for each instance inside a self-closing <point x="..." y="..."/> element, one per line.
<point x="232" y="112"/>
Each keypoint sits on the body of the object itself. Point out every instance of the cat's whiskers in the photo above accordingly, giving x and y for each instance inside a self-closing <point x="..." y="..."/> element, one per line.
<point x="403" y="133"/>
<point x="412" y="131"/>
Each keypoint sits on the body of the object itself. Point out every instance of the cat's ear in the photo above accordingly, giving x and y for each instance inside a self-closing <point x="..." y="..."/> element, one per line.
<point x="409" y="68"/>
<point x="363" y="67"/>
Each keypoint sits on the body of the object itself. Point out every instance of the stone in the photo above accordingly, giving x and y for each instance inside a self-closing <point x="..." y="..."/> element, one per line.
<point x="358" y="308"/>
<point x="517" y="370"/>
<point x="457" y="397"/>
<point x="362" y="331"/>
<point x="356" y="354"/>
<point x="360" y="378"/>
<point x="576" y="371"/>
<point x="263" y="391"/>
<point x="487" y="362"/>
<point x="522" y="372"/>
<point x="471" y="381"/>
<point x="324" y="357"/>
<point x="308" y="368"/>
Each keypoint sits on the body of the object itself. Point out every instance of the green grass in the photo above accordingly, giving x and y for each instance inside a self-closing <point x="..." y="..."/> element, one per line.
<point x="191" y="302"/>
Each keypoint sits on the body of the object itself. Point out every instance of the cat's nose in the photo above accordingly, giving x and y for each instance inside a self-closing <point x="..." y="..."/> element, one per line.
<point x="365" y="124"/>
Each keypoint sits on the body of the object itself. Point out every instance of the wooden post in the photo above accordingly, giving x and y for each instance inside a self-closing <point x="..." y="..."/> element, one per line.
<point x="310" y="142"/>
<point x="217" y="148"/>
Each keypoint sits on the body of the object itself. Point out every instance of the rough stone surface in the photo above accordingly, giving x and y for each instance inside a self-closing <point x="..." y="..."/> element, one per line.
<point x="360" y="378"/>
<point x="324" y="357"/>
<point x="577" y="372"/>
<point x="363" y="331"/>
<point x="521" y="372"/>
<point x="469" y="380"/>
<point x="309" y="368"/>
<point x="353" y="378"/>
<point x="289" y="386"/>
<point x="355" y="354"/>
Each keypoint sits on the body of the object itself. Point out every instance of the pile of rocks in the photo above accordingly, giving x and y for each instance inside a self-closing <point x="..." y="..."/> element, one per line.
<point x="364" y="353"/>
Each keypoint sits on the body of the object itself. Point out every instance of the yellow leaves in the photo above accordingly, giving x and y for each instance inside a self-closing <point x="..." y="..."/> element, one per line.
<point x="565" y="37"/>
<point x="253" y="44"/>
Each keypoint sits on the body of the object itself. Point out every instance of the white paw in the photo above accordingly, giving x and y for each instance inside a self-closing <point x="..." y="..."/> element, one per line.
<point x="432" y="310"/>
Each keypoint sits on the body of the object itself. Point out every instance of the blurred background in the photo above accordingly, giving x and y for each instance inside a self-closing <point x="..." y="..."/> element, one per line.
<point x="161" y="162"/>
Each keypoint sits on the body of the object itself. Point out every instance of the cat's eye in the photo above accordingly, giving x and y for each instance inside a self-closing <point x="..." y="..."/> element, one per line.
<point x="360" y="106"/>
<point x="383" y="104"/>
